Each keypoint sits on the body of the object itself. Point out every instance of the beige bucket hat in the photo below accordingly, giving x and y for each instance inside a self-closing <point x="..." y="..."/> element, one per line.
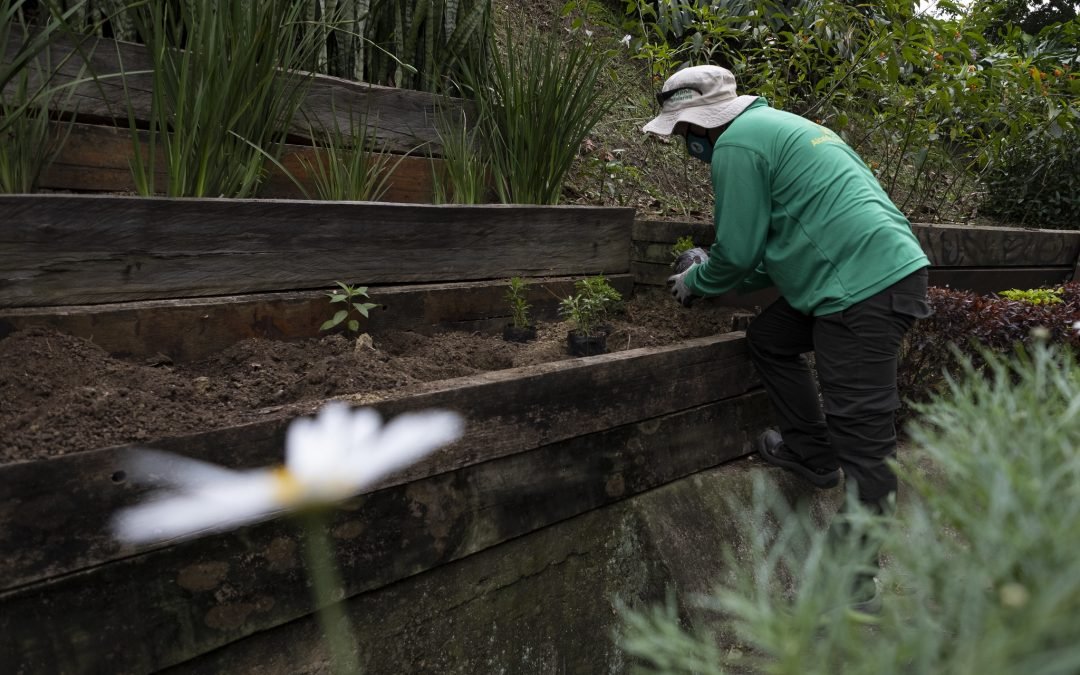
<point x="701" y="95"/>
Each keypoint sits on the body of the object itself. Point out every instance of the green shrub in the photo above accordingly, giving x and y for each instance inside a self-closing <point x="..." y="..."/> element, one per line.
<point x="982" y="574"/>
<point x="927" y="100"/>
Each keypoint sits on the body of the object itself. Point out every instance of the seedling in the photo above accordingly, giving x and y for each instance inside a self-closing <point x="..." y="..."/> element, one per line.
<point x="681" y="245"/>
<point x="519" y="306"/>
<point x="349" y="295"/>
<point x="591" y="306"/>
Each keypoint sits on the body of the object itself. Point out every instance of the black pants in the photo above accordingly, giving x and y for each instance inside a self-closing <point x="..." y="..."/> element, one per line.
<point x="855" y="355"/>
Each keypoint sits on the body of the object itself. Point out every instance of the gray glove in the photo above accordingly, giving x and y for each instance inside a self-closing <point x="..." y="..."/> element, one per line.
<point x="690" y="257"/>
<point x="683" y="264"/>
<point x="679" y="290"/>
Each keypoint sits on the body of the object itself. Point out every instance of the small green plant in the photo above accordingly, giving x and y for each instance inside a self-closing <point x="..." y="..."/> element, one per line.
<point x="519" y="306"/>
<point x="593" y="304"/>
<point x="681" y="245"/>
<point x="1034" y="296"/>
<point x="349" y="296"/>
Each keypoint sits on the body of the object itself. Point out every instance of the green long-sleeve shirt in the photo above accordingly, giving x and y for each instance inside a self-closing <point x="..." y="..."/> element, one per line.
<point x="796" y="207"/>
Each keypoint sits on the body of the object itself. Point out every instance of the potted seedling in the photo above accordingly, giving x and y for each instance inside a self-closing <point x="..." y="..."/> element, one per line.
<point x="519" y="329"/>
<point x="588" y="311"/>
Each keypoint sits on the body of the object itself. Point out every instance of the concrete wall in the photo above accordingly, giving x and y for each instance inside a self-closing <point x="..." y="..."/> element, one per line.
<point x="542" y="603"/>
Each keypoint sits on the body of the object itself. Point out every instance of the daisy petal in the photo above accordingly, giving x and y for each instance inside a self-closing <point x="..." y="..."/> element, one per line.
<point x="219" y="506"/>
<point x="404" y="440"/>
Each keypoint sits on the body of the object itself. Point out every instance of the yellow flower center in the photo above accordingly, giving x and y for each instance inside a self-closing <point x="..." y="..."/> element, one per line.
<point x="287" y="489"/>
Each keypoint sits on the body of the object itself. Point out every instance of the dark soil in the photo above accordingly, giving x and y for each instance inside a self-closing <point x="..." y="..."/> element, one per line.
<point x="61" y="394"/>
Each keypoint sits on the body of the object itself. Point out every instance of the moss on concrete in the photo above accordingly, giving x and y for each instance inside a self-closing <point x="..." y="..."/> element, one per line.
<point x="543" y="603"/>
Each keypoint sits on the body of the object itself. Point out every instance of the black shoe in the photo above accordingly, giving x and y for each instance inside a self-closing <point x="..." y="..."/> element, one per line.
<point x="770" y="445"/>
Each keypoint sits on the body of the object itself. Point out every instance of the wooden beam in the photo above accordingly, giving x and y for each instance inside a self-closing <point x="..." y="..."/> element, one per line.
<point x="945" y="245"/>
<point x="165" y="606"/>
<point x="79" y="249"/>
<point x="963" y="246"/>
<point x="52" y="511"/>
<point x="191" y="329"/>
<point x="97" y="158"/>
<point x="399" y="120"/>
<point x="994" y="279"/>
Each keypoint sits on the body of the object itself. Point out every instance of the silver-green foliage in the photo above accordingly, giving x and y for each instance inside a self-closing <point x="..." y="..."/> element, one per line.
<point x="536" y="105"/>
<point x="221" y="107"/>
<point x="982" y="573"/>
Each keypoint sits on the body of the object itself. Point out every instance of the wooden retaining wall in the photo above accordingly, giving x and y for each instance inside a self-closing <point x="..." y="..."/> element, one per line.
<point x="97" y="153"/>
<point x="983" y="259"/>
<point x="67" y="249"/>
<point x="543" y="444"/>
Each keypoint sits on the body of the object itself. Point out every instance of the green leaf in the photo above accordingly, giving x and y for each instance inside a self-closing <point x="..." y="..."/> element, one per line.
<point x="354" y="325"/>
<point x="363" y="307"/>
<point x="338" y="318"/>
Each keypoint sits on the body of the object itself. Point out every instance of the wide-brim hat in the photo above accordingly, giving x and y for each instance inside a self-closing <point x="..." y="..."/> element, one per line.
<point x="701" y="95"/>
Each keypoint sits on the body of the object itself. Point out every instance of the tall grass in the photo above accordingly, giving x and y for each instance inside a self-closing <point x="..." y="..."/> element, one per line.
<point x="536" y="104"/>
<point x="221" y="105"/>
<point x="346" y="168"/>
<point x="463" y="177"/>
<point x="415" y="44"/>
<point x="27" y="145"/>
<point x="982" y="572"/>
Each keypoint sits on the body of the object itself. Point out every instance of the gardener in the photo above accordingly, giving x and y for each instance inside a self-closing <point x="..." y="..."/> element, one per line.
<point x="797" y="209"/>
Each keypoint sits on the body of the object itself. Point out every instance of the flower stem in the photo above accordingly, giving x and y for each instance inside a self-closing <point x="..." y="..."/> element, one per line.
<point x="325" y="585"/>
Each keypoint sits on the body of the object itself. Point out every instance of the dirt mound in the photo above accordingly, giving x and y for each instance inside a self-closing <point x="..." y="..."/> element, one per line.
<point x="61" y="394"/>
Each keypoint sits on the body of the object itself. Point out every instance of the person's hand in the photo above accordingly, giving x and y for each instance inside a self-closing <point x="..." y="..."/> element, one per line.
<point x="679" y="290"/>
<point x="690" y="257"/>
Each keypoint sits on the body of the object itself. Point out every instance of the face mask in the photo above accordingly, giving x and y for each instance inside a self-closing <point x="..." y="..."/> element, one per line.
<point x="699" y="147"/>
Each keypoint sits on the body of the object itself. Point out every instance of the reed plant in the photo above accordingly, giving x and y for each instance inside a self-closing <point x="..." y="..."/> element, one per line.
<point x="222" y="100"/>
<point x="463" y="177"/>
<point x="27" y="143"/>
<point x="536" y="105"/>
<point x="345" y="167"/>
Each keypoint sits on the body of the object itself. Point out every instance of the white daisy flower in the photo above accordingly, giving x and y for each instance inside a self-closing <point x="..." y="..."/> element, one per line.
<point x="331" y="457"/>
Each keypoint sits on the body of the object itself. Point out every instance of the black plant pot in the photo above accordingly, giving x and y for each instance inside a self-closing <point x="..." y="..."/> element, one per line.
<point x="512" y="333"/>
<point x="586" y="345"/>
